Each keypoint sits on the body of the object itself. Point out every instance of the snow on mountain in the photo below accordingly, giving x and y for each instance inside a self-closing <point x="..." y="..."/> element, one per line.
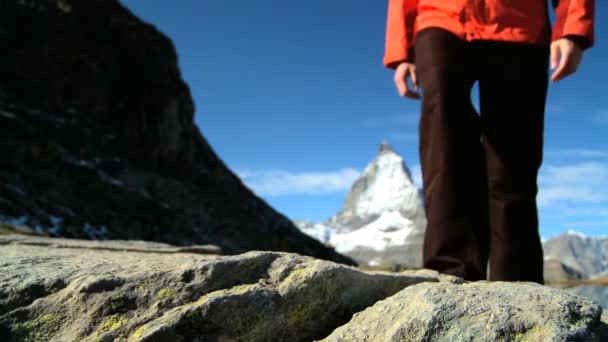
<point x="390" y="229"/>
<point x="575" y="233"/>
<point x="385" y="185"/>
<point x="318" y="231"/>
<point x="382" y="221"/>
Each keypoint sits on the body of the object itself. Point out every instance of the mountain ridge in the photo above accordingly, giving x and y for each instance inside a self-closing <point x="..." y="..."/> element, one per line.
<point x="586" y="254"/>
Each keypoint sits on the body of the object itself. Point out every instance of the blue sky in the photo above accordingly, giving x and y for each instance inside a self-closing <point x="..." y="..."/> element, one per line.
<point x="293" y="96"/>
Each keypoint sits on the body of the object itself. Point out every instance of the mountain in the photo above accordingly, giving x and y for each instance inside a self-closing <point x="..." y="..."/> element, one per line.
<point x="382" y="222"/>
<point x="386" y="185"/>
<point x="98" y="139"/>
<point x="588" y="255"/>
<point x="555" y="270"/>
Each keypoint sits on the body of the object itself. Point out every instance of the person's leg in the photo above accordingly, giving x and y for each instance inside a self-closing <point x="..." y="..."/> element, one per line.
<point x="513" y="88"/>
<point x="453" y="170"/>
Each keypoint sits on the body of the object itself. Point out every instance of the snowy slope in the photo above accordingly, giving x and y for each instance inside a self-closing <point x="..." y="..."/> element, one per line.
<point x="390" y="229"/>
<point x="382" y="221"/>
<point x="385" y="185"/>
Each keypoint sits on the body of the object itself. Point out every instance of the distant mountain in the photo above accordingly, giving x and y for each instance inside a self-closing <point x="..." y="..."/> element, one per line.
<point x="382" y="222"/>
<point x="555" y="270"/>
<point x="588" y="255"/>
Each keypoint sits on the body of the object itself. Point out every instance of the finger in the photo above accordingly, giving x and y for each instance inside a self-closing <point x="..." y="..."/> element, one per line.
<point x="400" y="82"/>
<point x="411" y="95"/>
<point x="560" y="71"/>
<point x="414" y="77"/>
<point x="554" y="55"/>
<point x="569" y="70"/>
<point x="407" y="92"/>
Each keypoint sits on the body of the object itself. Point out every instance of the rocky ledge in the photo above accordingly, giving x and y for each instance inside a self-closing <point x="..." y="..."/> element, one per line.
<point x="75" y="290"/>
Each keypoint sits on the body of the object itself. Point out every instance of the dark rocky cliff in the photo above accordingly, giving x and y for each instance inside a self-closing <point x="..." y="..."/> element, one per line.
<point x="98" y="141"/>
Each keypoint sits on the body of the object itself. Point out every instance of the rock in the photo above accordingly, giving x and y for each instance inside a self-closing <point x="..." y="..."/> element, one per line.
<point x="136" y="291"/>
<point x="598" y="293"/>
<point x="98" y="138"/>
<point x="8" y="229"/>
<point x="480" y="311"/>
<point x="117" y="245"/>
<point x="117" y="291"/>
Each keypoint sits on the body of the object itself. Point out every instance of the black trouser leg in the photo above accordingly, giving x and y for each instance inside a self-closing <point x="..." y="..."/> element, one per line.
<point x="451" y="154"/>
<point x="512" y="88"/>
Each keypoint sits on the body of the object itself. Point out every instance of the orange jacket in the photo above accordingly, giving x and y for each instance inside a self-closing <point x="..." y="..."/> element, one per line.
<point x="506" y="20"/>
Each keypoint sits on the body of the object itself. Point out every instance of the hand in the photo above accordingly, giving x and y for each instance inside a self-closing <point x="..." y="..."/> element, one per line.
<point x="402" y="73"/>
<point x="566" y="56"/>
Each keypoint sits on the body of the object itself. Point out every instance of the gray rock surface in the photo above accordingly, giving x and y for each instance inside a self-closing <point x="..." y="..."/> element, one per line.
<point x="480" y="311"/>
<point x="76" y="290"/>
<point x="115" y="245"/>
<point x="62" y="290"/>
<point x="598" y="293"/>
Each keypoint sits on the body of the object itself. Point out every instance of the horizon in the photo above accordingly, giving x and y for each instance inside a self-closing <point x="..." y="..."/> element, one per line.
<point x="295" y="100"/>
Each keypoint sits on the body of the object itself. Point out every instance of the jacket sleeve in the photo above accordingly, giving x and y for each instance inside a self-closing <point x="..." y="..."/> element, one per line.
<point x="400" y="32"/>
<point x="574" y="18"/>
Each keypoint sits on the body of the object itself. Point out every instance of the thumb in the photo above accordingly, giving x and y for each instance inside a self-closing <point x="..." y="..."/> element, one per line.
<point x="555" y="54"/>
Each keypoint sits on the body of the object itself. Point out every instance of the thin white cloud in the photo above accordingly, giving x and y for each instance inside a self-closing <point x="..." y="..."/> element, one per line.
<point x="581" y="153"/>
<point x="391" y="121"/>
<point x="554" y="194"/>
<point x="593" y="224"/>
<point x="285" y="183"/>
<point x="589" y="210"/>
<point x="581" y="183"/>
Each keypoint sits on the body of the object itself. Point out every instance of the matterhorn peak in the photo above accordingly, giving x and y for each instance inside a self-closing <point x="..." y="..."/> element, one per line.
<point x="382" y="221"/>
<point x="385" y="185"/>
<point x="385" y="147"/>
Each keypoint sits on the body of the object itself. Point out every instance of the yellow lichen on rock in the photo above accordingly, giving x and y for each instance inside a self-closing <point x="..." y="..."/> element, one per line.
<point x="138" y="333"/>
<point x="38" y="329"/>
<point x="297" y="276"/>
<point x="240" y="289"/>
<point x="236" y="290"/>
<point x="297" y="315"/>
<point x="166" y="293"/>
<point x="144" y="285"/>
<point x="243" y="325"/>
<point x="531" y="335"/>
<point x="112" y="323"/>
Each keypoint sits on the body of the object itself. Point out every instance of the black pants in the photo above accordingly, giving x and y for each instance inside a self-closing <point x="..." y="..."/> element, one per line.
<point x="480" y="170"/>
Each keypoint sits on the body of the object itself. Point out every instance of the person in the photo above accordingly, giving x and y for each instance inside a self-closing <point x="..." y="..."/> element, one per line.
<point x="480" y="170"/>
